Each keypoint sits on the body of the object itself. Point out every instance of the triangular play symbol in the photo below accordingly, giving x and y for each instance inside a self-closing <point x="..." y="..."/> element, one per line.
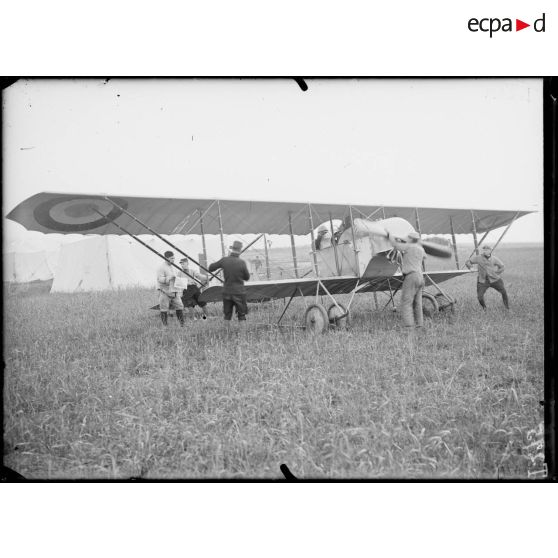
<point x="519" y="25"/>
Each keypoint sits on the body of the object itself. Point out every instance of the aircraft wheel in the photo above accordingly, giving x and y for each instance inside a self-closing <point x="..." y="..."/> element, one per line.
<point x="334" y="312"/>
<point x="444" y="304"/>
<point x="315" y="319"/>
<point x="429" y="305"/>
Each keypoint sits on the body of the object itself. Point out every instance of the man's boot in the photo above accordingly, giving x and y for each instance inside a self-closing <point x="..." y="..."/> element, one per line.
<point x="180" y="316"/>
<point x="164" y="318"/>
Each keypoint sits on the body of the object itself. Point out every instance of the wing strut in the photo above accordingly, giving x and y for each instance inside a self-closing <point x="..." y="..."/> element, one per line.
<point x="439" y="289"/>
<point x="355" y="249"/>
<point x="420" y="234"/>
<point x="475" y="233"/>
<point x="334" y="301"/>
<point x="392" y="294"/>
<point x="476" y="250"/>
<point x="267" y="270"/>
<point x="293" y="249"/>
<point x="507" y="228"/>
<point x="310" y="220"/>
<point x="334" y="244"/>
<point x="368" y="217"/>
<point x="158" y="236"/>
<point x="202" y="215"/>
<point x="288" y="304"/>
<point x="203" y="237"/>
<point x="221" y="229"/>
<point x="454" y="243"/>
<point x="147" y="246"/>
<point x="353" y="295"/>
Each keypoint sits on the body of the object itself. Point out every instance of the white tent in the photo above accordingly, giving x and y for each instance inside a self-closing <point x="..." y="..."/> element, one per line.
<point x="24" y="267"/>
<point x="100" y="263"/>
<point x="29" y="259"/>
<point x="114" y="262"/>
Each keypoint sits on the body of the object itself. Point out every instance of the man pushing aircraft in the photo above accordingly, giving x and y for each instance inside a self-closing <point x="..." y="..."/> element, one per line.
<point x="413" y="282"/>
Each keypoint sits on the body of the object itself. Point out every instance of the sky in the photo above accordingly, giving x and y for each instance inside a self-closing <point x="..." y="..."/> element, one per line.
<point x="474" y="143"/>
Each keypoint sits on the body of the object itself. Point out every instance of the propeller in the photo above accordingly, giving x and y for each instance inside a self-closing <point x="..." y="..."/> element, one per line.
<point x="431" y="248"/>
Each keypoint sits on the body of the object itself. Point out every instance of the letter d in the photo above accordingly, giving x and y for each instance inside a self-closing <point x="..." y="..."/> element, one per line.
<point x="535" y="25"/>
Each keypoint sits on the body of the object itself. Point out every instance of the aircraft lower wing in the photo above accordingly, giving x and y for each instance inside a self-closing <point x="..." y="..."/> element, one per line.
<point x="285" y="288"/>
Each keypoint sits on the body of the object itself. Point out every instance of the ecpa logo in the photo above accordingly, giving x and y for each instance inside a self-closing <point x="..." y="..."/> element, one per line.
<point x="492" y="25"/>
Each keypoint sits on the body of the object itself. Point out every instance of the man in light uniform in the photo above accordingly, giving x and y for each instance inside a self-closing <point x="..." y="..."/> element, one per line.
<point x="169" y="297"/>
<point x="490" y="270"/>
<point x="190" y="295"/>
<point x="413" y="282"/>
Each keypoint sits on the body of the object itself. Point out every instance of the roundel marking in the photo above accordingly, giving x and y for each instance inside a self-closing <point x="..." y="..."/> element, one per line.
<point x="73" y="214"/>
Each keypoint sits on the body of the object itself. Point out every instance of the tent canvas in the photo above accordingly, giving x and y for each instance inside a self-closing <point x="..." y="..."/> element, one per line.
<point x="24" y="267"/>
<point x="100" y="264"/>
<point x="111" y="262"/>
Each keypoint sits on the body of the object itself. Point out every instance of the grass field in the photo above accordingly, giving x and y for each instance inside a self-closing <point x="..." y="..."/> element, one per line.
<point x="94" y="387"/>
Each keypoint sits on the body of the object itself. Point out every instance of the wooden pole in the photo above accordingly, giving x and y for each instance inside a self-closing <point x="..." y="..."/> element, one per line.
<point x="293" y="248"/>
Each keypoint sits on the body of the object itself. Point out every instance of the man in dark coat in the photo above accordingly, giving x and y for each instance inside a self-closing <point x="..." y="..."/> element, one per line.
<point x="234" y="292"/>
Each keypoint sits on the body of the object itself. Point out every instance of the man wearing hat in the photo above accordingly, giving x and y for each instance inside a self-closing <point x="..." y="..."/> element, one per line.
<point x="169" y="296"/>
<point x="490" y="269"/>
<point x="190" y="295"/>
<point x="413" y="282"/>
<point x="235" y="272"/>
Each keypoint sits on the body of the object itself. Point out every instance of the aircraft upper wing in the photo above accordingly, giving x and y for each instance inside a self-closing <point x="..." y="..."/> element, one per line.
<point x="94" y="214"/>
<point x="285" y="288"/>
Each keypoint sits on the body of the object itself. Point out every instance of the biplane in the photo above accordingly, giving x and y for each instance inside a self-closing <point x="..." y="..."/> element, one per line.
<point x="359" y="259"/>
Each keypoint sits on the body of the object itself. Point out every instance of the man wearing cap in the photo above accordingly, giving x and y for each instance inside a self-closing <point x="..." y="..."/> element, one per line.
<point x="234" y="292"/>
<point x="323" y="239"/>
<point x="169" y="296"/>
<point x="490" y="269"/>
<point x="413" y="282"/>
<point x="190" y="295"/>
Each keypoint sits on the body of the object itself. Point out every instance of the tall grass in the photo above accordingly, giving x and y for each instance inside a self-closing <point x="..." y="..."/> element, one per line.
<point x="95" y="387"/>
